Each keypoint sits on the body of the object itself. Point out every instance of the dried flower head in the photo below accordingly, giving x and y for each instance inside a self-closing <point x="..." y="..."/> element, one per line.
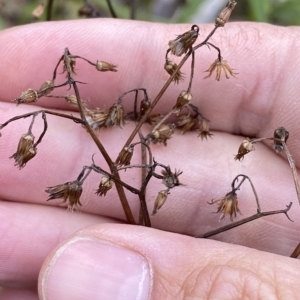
<point x="245" y="147"/>
<point x="170" y="179"/>
<point x="155" y="119"/>
<point x="204" y="129"/>
<point x="170" y="67"/>
<point x="105" y="185"/>
<point x="227" y="205"/>
<point x="38" y="11"/>
<point x="145" y="104"/>
<point x="184" y="42"/>
<point x="28" y="96"/>
<point x="115" y="116"/>
<point x="103" y="66"/>
<point x="160" y="201"/>
<point x="26" y="150"/>
<point x="72" y="100"/>
<point x="96" y="117"/>
<point x="183" y="99"/>
<point x="162" y="133"/>
<point x="224" y="15"/>
<point x="282" y="134"/>
<point x="219" y="66"/>
<point x="69" y="191"/>
<point x="125" y="156"/>
<point x="187" y="122"/>
<point x="69" y="64"/>
<point x="46" y="88"/>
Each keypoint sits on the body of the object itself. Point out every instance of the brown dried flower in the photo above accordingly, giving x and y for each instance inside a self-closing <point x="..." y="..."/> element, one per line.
<point x="170" y="67"/>
<point x="282" y="134"/>
<point x="38" y="11"/>
<point x="72" y="100"/>
<point x="69" y="65"/>
<point x="115" y="116"/>
<point x="105" y="185"/>
<point x="96" y="117"/>
<point x="125" y="156"/>
<point x="26" y="150"/>
<point x="184" y="42"/>
<point x="162" y="133"/>
<point x="227" y="205"/>
<point x="103" y="66"/>
<point x="246" y="147"/>
<point x="170" y="179"/>
<point x="219" y="66"/>
<point x="69" y="191"/>
<point x="204" y="129"/>
<point x="145" y="104"/>
<point x="46" y="88"/>
<point x="183" y="99"/>
<point x="28" y="96"/>
<point x="154" y="119"/>
<point x="187" y="122"/>
<point x="160" y="201"/>
<point x="224" y="15"/>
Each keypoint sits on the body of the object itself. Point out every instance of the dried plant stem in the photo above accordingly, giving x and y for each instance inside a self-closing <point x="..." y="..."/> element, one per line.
<point x="296" y="252"/>
<point x="294" y="169"/>
<point x="132" y="9"/>
<point x="164" y="119"/>
<point x="111" y="9"/>
<point x="49" y="9"/>
<point x="252" y="186"/>
<point x="192" y="71"/>
<point x="246" y="220"/>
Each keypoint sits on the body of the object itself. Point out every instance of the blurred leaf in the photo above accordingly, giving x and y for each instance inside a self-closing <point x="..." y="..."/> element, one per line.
<point x="259" y="10"/>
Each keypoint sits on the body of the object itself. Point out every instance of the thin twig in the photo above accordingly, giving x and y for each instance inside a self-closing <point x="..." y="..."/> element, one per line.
<point x="246" y="220"/>
<point x="296" y="252"/>
<point x="49" y="9"/>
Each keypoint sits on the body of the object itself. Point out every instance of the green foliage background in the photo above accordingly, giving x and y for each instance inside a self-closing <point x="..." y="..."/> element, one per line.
<point x="281" y="12"/>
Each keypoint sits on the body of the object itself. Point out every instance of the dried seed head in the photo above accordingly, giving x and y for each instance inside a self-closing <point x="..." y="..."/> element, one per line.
<point x="115" y="116"/>
<point x="154" y="119"/>
<point x="26" y="150"/>
<point x="38" y="11"/>
<point x="245" y="147"/>
<point x="170" y="67"/>
<point x="69" y="191"/>
<point x="125" y="156"/>
<point x="103" y="66"/>
<point x="46" y="88"/>
<point x="162" y="133"/>
<point x="224" y="15"/>
<point x="28" y="96"/>
<point x="105" y="185"/>
<point x="96" y="117"/>
<point x="187" y="122"/>
<point x="160" y="201"/>
<point x="145" y="104"/>
<point x="72" y="100"/>
<point x="69" y="65"/>
<point x="183" y="99"/>
<point x="282" y="134"/>
<point x="184" y="42"/>
<point x="219" y="66"/>
<point x="204" y="129"/>
<point x="227" y="205"/>
<point x="170" y="179"/>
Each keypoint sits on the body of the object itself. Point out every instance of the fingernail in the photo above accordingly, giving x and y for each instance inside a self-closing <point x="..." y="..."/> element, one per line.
<point x="87" y="268"/>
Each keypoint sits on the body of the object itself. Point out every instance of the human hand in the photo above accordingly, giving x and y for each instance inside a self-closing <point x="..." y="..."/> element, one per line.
<point x="104" y="259"/>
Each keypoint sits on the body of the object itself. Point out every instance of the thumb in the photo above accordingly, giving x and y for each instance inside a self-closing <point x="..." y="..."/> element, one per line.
<point x="131" y="262"/>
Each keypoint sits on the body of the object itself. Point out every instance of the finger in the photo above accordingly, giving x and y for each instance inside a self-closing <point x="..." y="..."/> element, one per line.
<point x="116" y="262"/>
<point x="262" y="97"/>
<point x="208" y="170"/>
<point x="28" y="234"/>
<point x="17" y="294"/>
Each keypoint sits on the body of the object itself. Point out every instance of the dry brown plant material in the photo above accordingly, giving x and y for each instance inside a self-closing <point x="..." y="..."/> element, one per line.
<point x="170" y="67"/>
<point x="204" y="132"/>
<point x="225" y="14"/>
<point x="220" y="66"/>
<point x="103" y="66"/>
<point x="105" y="185"/>
<point x="160" y="201"/>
